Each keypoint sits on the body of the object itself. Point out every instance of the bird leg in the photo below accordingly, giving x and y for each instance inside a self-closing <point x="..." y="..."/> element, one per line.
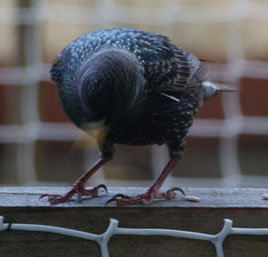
<point x="153" y="191"/>
<point x="78" y="187"/>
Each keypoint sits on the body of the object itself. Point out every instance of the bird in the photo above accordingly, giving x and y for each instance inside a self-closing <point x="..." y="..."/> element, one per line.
<point x="133" y="87"/>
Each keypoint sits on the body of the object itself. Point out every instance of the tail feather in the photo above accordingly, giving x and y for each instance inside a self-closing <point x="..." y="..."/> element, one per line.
<point x="211" y="89"/>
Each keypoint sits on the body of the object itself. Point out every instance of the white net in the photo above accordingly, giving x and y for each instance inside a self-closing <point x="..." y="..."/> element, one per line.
<point x="165" y="15"/>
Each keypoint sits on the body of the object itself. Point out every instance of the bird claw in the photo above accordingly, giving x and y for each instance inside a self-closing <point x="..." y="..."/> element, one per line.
<point x="44" y="195"/>
<point x="101" y="186"/>
<point x="116" y="198"/>
<point x="174" y="189"/>
<point x="79" y="191"/>
<point x="185" y="197"/>
<point x="50" y="197"/>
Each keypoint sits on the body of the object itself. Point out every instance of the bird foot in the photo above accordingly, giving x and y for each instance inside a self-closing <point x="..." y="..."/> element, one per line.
<point x="146" y="198"/>
<point x="77" y="190"/>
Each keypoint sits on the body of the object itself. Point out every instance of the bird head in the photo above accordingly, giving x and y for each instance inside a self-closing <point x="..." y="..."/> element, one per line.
<point x="110" y="84"/>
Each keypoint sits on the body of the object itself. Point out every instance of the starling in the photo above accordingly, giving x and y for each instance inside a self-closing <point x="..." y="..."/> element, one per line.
<point x="136" y="88"/>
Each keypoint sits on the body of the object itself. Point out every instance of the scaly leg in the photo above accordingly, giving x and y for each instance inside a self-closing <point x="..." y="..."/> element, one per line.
<point x="153" y="191"/>
<point x="78" y="187"/>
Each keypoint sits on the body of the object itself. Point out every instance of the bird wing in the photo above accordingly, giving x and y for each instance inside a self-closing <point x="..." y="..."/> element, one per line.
<point x="198" y="72"/>
<point x="171" y="68"/>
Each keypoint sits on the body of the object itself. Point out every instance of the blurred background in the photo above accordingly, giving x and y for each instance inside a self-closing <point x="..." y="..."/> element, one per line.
<point x="228" y="143"/>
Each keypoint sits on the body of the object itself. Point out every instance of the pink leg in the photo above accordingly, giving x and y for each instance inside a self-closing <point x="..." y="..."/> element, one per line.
<point x="78" y="187"/>
<point x="153" y="191"/>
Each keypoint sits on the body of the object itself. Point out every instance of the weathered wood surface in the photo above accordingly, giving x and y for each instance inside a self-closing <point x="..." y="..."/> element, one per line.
<point x="244" y="206"/>
<point x="210" y="198"/>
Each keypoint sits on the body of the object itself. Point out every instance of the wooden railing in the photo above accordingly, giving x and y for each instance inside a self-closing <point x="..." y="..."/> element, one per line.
<point x="245" y="207"/>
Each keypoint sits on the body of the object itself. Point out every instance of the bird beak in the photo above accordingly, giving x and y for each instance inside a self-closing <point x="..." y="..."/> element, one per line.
<point x="96" y="132"/>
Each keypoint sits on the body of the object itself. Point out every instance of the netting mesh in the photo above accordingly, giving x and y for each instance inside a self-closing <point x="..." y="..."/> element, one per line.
<point x="40" y="29"/>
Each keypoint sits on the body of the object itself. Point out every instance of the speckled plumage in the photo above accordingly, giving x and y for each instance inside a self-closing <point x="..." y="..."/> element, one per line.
<point x="139" y="87"/>
<point x="166" y="68"/>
